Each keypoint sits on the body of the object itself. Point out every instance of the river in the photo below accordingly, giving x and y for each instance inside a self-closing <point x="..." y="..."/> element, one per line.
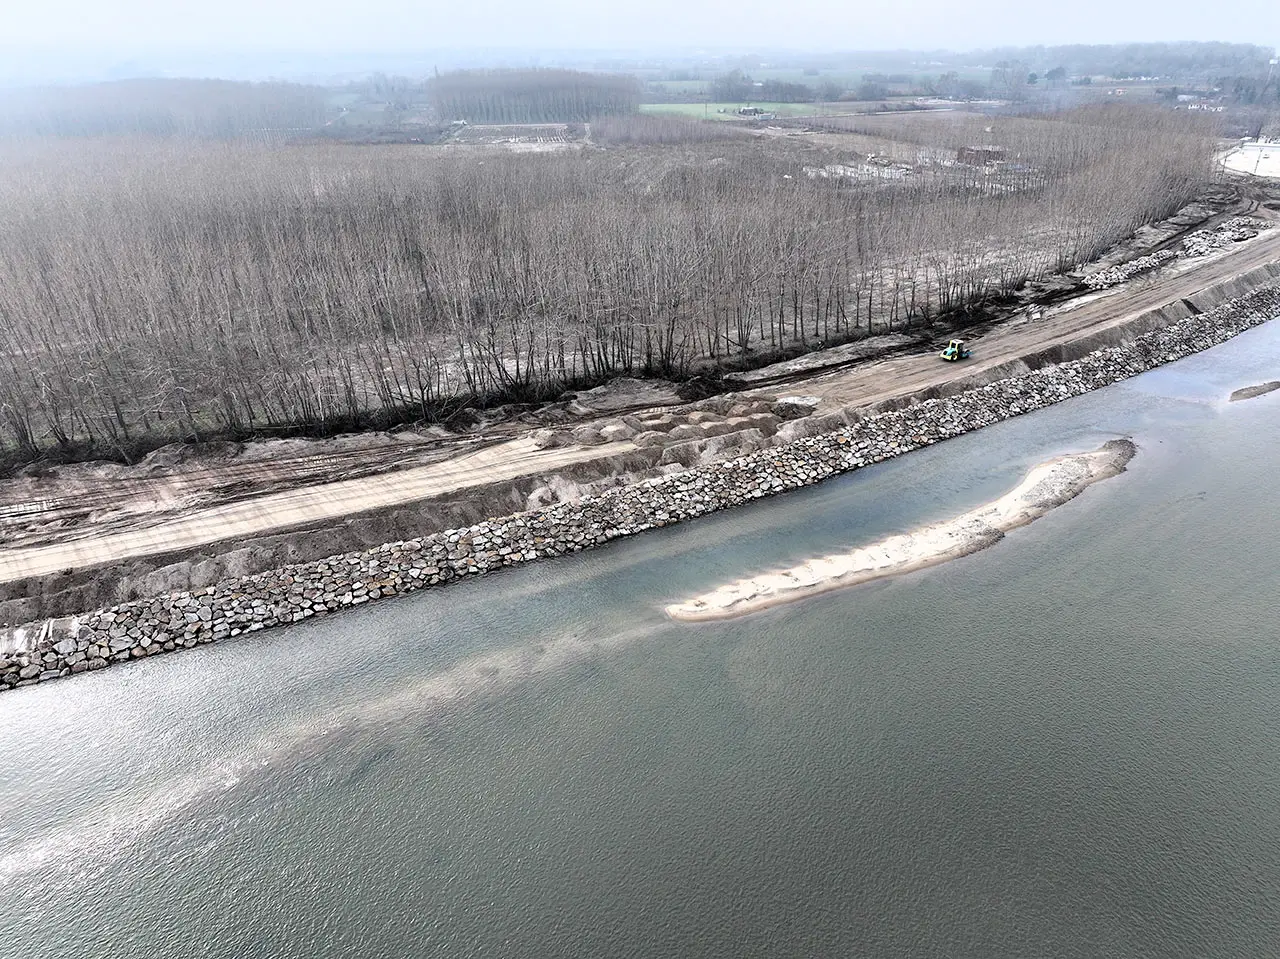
<point x="1063" y="746"/>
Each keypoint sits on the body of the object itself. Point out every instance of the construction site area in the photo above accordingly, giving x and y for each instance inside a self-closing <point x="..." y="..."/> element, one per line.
<point x="86" y="535"/>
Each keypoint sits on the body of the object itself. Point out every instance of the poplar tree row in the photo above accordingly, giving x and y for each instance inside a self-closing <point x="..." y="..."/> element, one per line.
<point x="531" y="96"/>
<point x="152" y="291"/>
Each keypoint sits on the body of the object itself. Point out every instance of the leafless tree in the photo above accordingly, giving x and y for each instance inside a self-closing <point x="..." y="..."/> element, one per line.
<point x="153" y="290"/>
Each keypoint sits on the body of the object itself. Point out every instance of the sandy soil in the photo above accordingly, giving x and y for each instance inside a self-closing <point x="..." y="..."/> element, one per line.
<point x="83" y="517"/>
<point x="822" y="361"/>
<point x="1045" y="487"/>
<point x="331" y="501"/>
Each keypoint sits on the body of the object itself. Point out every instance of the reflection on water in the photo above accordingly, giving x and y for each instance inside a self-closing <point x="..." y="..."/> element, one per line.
<point x="1063" y="746"/>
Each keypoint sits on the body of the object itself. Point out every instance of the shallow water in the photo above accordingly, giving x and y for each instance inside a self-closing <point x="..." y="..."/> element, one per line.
<point x="1063" y="746"/>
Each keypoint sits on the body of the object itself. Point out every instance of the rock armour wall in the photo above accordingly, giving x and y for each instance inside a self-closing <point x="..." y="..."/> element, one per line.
<point x="50" y="649"/>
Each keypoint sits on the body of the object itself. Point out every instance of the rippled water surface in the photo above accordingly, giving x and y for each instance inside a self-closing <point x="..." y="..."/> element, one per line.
<point x="1068" y="745"/>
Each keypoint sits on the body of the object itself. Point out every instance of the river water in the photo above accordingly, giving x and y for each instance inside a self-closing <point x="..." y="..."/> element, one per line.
<point x="1067" y="745"/>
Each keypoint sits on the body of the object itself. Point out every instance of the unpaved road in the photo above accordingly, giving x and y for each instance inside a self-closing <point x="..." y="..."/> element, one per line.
<point x="295" y="507"/>
<point x="901" y="376"/>
<point x="142" y="524"/>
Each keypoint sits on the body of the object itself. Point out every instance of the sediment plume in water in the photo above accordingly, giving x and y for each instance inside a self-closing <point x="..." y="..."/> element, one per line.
<point x="123" y="819"/>
<point x="1048" y="485"/>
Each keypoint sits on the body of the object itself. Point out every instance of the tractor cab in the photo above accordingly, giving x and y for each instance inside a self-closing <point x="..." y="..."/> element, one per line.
<point x="956" y="350"/>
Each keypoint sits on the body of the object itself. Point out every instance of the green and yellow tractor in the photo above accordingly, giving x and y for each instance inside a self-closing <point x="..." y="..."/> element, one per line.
<point x="956" y="350"/>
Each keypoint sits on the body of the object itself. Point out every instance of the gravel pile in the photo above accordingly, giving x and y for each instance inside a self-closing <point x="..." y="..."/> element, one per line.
<point x="1114" y="276"/>
<point x="1234" y="230"/>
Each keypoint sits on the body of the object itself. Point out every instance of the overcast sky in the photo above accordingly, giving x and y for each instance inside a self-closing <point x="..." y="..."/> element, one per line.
<point x="127" y="27"/>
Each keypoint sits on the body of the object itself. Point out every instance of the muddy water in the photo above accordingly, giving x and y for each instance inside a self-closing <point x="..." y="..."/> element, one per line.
<point x="1063" y="746"/>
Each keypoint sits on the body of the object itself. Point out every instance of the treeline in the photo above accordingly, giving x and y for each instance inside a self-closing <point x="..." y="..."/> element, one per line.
<point x="1185" y="60"/>
<point x="1262" y="89"/>
<point x="736" y="86"/>
<point x="531" y="96"/>
<point x="152" y="292"/>
<point x="221" y="109"/>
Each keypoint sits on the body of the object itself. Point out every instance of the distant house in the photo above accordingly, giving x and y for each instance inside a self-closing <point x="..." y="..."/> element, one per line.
<point x="979" y="155"/>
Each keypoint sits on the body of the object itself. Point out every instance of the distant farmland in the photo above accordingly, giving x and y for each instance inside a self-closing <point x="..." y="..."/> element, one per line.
<point x="729" y="111"/>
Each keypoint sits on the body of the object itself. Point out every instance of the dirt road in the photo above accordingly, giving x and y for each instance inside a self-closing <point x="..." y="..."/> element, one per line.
<point x="298" y="506"/>
<point x="1086" y="316"/>
<point x="140" y="521"/>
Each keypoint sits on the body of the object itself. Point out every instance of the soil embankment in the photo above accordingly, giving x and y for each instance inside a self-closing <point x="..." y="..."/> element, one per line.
<point x="99" y="534"/>
<point x="52" y="649"/>
<point x="1047" y="486"/>
<point x="55" y="568"/>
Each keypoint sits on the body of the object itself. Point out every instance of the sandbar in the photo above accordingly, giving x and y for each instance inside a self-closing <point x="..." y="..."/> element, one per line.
<point x="1048" y="485"/>
<point x="1249" y="392"/>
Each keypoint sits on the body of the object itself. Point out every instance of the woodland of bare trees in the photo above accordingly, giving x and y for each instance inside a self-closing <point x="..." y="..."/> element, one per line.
<point x="154" y="290"/>
<point x="652" y="129"/>
<point x="531" y="96"/>
<point x="1182" y="59"/>
<point x="162" y="108"/>
<point x="736" y="85"/>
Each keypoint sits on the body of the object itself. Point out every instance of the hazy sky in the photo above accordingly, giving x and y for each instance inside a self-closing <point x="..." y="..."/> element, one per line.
<point x="131" y="27"/>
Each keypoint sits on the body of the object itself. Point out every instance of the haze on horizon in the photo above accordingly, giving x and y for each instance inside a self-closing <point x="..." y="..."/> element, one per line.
<point x="182" y="32"/>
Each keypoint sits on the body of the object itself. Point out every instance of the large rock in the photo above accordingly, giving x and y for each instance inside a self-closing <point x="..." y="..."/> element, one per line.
<point x="662" y="424"/>
<point x="168" y="579"/>
<point x="766" y="423"/>
<point x="703" y="416"/>
<point x="809" y="426"/>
